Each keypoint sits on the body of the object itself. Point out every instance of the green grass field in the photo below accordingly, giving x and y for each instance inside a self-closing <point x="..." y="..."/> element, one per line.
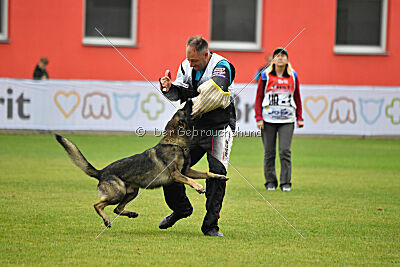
<point x="345" y="201"/>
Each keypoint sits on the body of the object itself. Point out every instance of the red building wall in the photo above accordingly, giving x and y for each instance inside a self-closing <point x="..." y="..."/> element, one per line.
<point x="55" y="29"/>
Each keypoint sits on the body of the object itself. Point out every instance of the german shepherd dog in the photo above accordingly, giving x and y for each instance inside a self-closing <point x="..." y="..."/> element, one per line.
<point x="163" y="164"/>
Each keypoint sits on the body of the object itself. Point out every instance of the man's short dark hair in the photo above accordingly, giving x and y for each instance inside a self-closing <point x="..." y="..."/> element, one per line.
<point x="198" y="43"/>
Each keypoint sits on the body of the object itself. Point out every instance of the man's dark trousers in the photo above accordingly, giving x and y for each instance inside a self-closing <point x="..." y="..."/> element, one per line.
<point x="175" y="194"/>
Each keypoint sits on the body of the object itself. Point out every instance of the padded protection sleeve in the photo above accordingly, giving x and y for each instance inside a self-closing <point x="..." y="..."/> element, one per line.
<point x="210" y="97"/>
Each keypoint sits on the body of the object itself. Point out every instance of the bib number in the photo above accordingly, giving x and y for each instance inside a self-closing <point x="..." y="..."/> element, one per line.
<point x="279" y="99"/>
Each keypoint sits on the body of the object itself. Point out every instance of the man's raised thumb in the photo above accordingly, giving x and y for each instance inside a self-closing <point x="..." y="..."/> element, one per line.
<point x="168" y="73"/>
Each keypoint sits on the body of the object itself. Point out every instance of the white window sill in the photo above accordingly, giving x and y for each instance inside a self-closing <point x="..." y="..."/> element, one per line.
<point x="234" y="46"/>
<point x="359" y="50"/>
<point x="99" y="41"/>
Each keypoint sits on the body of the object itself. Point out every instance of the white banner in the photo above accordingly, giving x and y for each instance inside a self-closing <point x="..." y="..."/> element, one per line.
<point x="82" y="105"/>
<point x="337" y="110"/>
<point x="139" y="107"/>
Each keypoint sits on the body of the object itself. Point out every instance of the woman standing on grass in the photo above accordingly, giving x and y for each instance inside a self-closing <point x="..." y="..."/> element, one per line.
<point x="277" y="108"/>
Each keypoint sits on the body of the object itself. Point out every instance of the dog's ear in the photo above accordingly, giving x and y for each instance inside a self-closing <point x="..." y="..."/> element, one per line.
<point x="172" y="124"/>
<point x="189" y="106"/>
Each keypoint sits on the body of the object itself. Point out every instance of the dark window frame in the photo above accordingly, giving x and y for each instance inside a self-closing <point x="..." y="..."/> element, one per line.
<point x="4" y="20"/>
<point x="366" y="49"/>
<point x="237" y="45"/>
<point x="100" y="41"/>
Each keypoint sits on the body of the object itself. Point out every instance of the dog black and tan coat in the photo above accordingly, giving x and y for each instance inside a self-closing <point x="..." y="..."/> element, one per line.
<point x="169" y="161"/>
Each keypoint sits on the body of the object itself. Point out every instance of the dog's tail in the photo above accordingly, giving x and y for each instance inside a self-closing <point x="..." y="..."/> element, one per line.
<point x="77" y="158"/>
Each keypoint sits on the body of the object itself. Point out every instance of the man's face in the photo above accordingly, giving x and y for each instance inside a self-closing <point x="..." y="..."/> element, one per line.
<point x="197" y="60"/>
<point x="42" y="65"/>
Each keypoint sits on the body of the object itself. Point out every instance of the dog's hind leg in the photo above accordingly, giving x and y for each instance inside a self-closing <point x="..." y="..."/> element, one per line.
<point x="111" y="191"/>
<point x="99" y="207"/>
<point x="120" y="209"/>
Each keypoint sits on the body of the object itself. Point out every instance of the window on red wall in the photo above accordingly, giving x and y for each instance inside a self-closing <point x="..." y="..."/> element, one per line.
<point x="3" y="19"/>
<point x="361" y="26"/>
<point x="236" y="24"/>
<point x="115" y="19"/>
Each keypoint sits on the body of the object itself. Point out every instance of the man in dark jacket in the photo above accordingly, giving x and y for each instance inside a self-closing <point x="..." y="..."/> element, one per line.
<point x="40" y="72"/>
<point x="212" y="130"/>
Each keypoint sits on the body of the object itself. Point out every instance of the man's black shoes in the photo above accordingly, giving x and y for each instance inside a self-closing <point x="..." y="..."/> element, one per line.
<point x="170" y="220"/>
<point x="214" y="232"/>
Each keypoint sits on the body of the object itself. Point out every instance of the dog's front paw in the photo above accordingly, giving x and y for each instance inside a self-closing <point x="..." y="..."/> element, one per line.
<point x="218" y="176"/>
<point x="201" y="191"/>
<point x="223" y="178"/>
<point x="199" y="188"/>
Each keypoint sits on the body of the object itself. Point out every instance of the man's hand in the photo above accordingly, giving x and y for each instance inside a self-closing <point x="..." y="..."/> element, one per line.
<point x="260" y="125"/>
<point x="300" y="124"/>
<point x="165" y="82"/>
